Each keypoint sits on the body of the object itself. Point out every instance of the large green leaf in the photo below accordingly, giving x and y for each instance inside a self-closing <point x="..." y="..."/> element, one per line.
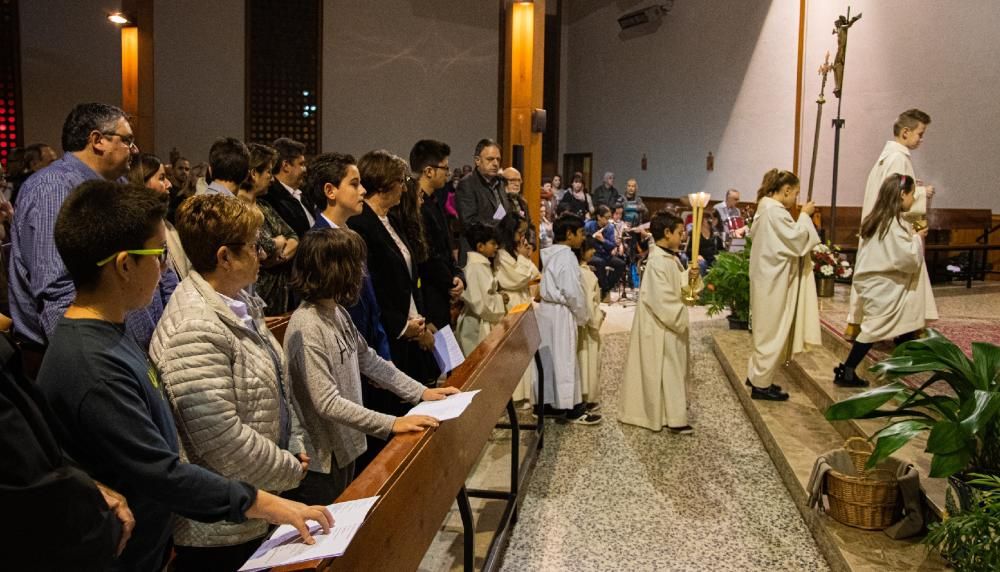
<point x="946" y="465"/>
<point x="979" y="410"/>
<point x="986" y="361"/>
<point x="893" y="437"/>
<point x="856" y="406"/>
<point x="946" y="437"/>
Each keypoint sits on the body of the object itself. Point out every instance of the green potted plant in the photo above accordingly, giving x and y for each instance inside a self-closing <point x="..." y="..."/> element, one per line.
<point x="963" y="425"/>
<point x="727" y="287"/>
<point x="970" y="539"/>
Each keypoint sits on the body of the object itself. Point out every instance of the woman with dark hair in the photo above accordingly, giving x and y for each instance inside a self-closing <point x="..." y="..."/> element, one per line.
<point x="576" y="200"/>
<point x="392" y="267"/>
<point x="150" y="172"/>
<point x="278" y="239"/>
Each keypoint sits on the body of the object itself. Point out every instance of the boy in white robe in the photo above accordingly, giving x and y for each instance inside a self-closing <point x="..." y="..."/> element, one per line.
<point x="515" y="274"/>
<point x="654" y="384"/>
<point x="562" y="310"/>
<point x="908" y="133"/>
<point x="484" y="304"/>
<point x="588" y="336"/>
<point x="887" y="276"/>
<point x="783" y="306"/>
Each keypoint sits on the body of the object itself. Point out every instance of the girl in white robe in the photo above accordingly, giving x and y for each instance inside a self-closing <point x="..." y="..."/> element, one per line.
<point x="784" y="310"/>
<point x="588" y="336"/>
<point x="515" y="274"/>
<point x="484" y="304"/>
<point x="887" y="276"/>
<point x="654" y="384"/>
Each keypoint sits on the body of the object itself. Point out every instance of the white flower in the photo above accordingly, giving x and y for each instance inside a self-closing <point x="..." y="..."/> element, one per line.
<point x="847" y="272"/>
<point x="826" y="270"/>
<point x="953" y="268"/>
<point x="821" y="249"/>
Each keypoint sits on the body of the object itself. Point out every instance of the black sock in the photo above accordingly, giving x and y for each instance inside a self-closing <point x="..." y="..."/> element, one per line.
<point x="908" y="337"/>
<point x="858" y="352"/>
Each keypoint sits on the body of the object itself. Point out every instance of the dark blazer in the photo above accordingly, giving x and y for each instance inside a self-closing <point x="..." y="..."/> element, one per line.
<point x="438" y="272"/>
<point x="286" y="206"/>
<point x="476" y="203"/>
<point x="394" y="284"/>
<point x="365" y="314"/>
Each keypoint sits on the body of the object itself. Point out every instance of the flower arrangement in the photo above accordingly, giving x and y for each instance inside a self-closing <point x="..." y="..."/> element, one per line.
<point x="828" y="262"/>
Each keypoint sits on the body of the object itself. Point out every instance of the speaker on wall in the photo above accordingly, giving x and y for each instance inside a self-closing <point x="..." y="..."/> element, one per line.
<point x="538" y="121"/>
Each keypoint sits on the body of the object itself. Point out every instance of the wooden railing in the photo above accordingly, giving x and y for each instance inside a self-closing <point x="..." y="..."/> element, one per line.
<point x="419" y="475"/>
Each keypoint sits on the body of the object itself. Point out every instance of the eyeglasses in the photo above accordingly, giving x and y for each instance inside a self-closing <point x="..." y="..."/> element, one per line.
<point x="445" y="167"/>
<point x="257" y="244"/>
<point x="160" y="253"/>
<point x="127" y="140"/>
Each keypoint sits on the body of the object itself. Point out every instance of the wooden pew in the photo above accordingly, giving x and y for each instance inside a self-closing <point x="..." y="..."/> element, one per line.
<point x="419" y="475"/>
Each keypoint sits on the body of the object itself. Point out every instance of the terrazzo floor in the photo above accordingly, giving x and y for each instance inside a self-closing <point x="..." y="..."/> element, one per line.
<point x="617" y="497"/>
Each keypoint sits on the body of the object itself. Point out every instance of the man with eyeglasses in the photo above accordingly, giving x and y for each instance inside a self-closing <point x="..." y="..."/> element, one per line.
<point x="481" y="196"/>
<point x="98" y="143"/>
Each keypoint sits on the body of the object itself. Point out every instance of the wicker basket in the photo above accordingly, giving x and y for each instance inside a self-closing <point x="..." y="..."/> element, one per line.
<point x="868" y="500"/>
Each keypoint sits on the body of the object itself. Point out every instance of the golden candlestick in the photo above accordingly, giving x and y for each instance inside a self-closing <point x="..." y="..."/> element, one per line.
<point x="698" y="203"/>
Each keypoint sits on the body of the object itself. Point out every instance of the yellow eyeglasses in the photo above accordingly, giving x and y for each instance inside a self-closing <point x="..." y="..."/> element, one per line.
<point x="160" y="253"/>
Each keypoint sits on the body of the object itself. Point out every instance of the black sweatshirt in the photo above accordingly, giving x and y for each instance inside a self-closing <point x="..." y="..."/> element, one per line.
<point x="111" y="415"/>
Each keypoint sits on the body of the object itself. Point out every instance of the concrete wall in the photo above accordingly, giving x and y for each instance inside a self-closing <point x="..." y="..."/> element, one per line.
<point x="937" y="56"/>
<point x="199" y="64"/>
<point x="409" y="69"/>
<point x="70" y="54"/>
<point x="716" y="76"/>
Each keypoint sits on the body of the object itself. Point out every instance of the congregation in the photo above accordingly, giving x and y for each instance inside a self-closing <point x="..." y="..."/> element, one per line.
<point x="146" y="382"/>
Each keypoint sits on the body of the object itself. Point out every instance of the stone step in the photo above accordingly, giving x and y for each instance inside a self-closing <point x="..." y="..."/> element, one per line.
<point x="794" y="434"/>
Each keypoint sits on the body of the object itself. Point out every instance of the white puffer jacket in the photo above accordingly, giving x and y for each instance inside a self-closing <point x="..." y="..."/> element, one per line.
<point x="222" y="384"/>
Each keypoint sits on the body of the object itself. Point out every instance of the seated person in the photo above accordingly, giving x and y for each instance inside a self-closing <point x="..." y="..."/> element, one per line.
<point x="605" y="258"/>
<point x="111" y="414"/>
<point x="224" y="376"/>
<point x="327" y="357"/>
<point x="708" y="247"/>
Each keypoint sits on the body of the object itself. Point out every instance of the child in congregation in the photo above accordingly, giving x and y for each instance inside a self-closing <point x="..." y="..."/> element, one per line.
<point x="887" y="276"/>
<point x="588" y="343"/>
<point x="484" y="303"/>
<point x="783" y="299"/>
<point x="326" y="358"/>
<point x="654" y="384"/>
<point x="515" y="273"/>
<point x="562" y="310"/>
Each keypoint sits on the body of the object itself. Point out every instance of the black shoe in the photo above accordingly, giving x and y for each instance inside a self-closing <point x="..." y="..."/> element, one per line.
<point x="592" y="406"/>
<point x="552" y="412"/>
<point x="847" y="378"/>
<point x="748" y="384"/>
<point x="772" y="393"/>
<point x="685" y="430"/>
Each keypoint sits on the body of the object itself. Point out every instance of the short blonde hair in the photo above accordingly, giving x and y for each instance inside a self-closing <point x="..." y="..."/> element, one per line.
<point x="207" y="222"/>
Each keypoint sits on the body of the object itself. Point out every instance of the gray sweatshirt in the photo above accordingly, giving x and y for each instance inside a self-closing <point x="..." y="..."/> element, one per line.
<point x="326" y="356"/>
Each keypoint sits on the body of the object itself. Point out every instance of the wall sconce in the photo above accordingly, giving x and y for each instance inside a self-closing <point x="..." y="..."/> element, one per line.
<point x="121" y="19"/>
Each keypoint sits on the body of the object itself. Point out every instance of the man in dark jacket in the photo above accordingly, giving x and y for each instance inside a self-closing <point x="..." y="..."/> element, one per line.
<point x="443" y="281"/>
<point x="607" y="194"/>
<point x="285" y="195"/>
<point x="481" y="196"/>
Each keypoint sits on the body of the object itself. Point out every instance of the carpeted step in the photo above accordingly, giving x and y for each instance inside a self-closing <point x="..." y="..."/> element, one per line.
<point x="795" y="433"/>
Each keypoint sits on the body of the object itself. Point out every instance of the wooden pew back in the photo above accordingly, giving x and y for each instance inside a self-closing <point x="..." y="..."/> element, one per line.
<point x="418" y="475"/>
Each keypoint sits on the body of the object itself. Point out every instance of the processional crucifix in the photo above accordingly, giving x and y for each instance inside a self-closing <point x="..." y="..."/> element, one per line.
<point x="840" y="28"/>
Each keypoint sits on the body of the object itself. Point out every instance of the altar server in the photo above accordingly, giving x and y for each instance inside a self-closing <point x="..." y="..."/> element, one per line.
<point x="484" y="303"/>
<point x="515" y="274"/>
<point x="908" y="133"/>
<point x="562" y="310"/>
<point x="588" y="337"/>
<point x="783" y="304"/>
<point x="887" y="276"/>
<point x="654" y="386"/>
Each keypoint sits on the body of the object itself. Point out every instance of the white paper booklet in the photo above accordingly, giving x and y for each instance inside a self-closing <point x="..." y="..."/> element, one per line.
<point x="447" y="408"/>
<point x="285" y="546"/>
<point x="447" y="352"/>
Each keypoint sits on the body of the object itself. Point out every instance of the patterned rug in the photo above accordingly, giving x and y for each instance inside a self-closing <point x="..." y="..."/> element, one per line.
<point x="618" y="497"/>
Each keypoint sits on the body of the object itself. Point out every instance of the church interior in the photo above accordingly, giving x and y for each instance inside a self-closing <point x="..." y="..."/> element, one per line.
<point x="671" y="98"/>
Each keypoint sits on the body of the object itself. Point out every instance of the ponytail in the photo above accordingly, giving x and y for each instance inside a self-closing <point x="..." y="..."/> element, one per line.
<point x="774" y="180"/>
<point x="888" y="206"/>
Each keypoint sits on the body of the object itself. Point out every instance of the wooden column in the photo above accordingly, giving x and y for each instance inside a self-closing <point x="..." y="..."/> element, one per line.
<point x="137" y="71"/>
<point x="524" y="59"/>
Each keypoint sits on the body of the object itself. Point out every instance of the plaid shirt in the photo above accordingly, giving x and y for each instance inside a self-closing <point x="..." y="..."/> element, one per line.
<point x="40" y="286"/>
